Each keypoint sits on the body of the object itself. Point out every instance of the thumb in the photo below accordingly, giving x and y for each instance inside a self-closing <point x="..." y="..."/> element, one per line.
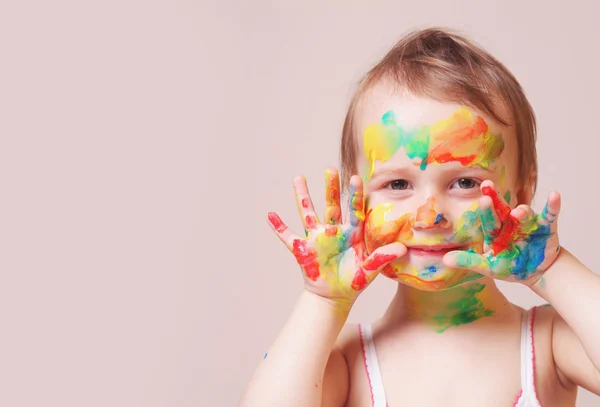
<point x="383" y="256"/>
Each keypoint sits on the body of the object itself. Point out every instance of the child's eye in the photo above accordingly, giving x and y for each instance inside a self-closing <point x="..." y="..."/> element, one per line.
<point x="466" y="183"/>
<point x="398" y="185"/>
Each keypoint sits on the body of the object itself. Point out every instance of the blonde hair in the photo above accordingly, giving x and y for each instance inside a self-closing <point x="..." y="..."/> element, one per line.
<point x="445" y="66"/>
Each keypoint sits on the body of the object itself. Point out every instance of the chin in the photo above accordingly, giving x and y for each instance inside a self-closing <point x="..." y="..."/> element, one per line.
<point x="428" y="274"/>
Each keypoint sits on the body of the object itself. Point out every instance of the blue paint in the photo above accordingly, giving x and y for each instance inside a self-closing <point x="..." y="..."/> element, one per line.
<point x="529" y="257"/>
<point x="428" y="271"/>
<point x="545" y="214"/>
<point x="438" y="219"/>
<point x="264" y="357"/>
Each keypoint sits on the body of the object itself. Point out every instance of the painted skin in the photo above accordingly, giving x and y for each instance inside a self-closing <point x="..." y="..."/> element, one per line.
<point x="463" y="139"/>
<point x="333" y="255"/>
<point x="521" y="243"/>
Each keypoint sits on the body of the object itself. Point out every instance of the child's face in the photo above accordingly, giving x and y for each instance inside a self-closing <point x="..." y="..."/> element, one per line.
<point x="422" y="162"/>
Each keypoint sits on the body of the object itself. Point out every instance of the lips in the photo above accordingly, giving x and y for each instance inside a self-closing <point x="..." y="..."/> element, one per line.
<point x="434" y="250"/>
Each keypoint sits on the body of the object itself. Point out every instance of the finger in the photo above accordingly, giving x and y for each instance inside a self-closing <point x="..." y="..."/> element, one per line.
<point x="523" y="213"/>
<point x="333" y="212"/>
<point x="375" y="262"/>
<point x="356" y="203"/>
<point x="281" y="230"/>
<point x="500" y="206"/>
<point x="490" y="222"/>
<point x="552" y="208"/>
<point x="526" y="216"/>
<point x="305" y="205"/>
<point x="467" y="260"/>
<point x="486" y="264"/>
<point x="384" y="255"/>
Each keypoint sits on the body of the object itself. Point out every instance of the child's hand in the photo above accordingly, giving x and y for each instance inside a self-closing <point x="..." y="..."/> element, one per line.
<point x="332" y="256"/>
<point x="519" y="243"/>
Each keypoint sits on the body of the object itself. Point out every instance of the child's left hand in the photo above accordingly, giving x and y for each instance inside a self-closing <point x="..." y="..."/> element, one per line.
<point x="519" y="243"/>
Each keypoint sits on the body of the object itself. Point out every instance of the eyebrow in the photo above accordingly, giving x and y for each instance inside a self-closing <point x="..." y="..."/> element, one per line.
<point x="407" y="170"/>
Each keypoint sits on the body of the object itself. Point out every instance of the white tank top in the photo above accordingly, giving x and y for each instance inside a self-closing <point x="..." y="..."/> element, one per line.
<point x="526" y="398"/>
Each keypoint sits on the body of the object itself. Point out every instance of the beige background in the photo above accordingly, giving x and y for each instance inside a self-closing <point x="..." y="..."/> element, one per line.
<point x="142" y="143"/>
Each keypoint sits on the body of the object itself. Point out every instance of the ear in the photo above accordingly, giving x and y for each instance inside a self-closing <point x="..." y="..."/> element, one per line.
<point x="525" y="193"/>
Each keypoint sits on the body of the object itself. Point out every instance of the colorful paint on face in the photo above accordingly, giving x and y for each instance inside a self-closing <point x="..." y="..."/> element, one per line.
<point x="467" y="308"/>
<point x="507" y="196"/>
<point x="382" y="229"/>
<point x="463" y="138"/>
<point x="428" y="218"/>
<point x="518" y="246"/>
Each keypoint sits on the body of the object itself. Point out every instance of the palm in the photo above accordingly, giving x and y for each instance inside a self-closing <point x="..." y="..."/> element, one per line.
<point x="332" y="258"/>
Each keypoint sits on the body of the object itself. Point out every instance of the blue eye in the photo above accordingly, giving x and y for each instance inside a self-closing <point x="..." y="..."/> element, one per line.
<point x="398" y="184"/>
<point x="466" y="183"/>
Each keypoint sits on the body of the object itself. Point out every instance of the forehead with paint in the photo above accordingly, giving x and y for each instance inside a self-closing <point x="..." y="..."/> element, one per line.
<point x="395" y="128"/>
<point x="422" y="161"/>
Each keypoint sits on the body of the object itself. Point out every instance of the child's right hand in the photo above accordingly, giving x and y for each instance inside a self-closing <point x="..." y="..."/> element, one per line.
<point x="333" y="256"/>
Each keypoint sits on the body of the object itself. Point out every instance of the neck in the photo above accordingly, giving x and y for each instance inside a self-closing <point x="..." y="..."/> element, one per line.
<point x="473" y="301"/>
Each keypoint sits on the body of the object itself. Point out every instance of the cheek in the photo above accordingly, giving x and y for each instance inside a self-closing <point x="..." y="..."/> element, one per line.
<point x="395" y="208"/>
<point x="467" y="226"/>
<point x="387" y="223"/>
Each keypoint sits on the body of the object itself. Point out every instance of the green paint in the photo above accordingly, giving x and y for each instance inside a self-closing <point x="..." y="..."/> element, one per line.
<point x="467" y="308"/>
<point x="466" y="224"/>
<point x="507" y="196"/>
<point x="447" y="140"/>
<point x="467" y="279"/>
<point x="488" y="222"/>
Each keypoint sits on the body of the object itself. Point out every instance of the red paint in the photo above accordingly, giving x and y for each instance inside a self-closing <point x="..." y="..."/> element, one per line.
<point x="276" y="222"/>
<point x="356" y="237"/>
<point x="305" y="203"/>
<point x="460" y="133"/>
<point x="510" y="226"/>
<point x="307" y="258"/>
<point x="311" y="223"/>
<point x="448" y="157"/>
<point x="378" y="260"/>
<point x="333" y="194"/>
<point x="388" y="271"/>
<point x="360" y="280"/>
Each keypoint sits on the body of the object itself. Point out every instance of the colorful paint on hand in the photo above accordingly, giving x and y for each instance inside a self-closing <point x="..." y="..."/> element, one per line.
<point x="333" y="255"/>
<point x="464" y="138"/>
<point x="518" y="246"/>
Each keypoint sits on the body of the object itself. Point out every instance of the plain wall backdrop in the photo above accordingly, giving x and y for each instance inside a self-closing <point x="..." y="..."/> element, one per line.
<point x="143" y="142"/>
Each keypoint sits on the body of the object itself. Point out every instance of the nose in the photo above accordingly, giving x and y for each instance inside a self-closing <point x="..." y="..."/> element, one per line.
<point x="430" y="217"/>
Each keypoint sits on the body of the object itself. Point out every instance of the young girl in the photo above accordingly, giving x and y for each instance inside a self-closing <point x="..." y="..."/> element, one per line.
<point x="442" y="139"/>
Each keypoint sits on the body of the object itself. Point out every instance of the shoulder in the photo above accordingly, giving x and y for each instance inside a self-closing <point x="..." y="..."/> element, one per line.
<point x="549" y="382"/>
